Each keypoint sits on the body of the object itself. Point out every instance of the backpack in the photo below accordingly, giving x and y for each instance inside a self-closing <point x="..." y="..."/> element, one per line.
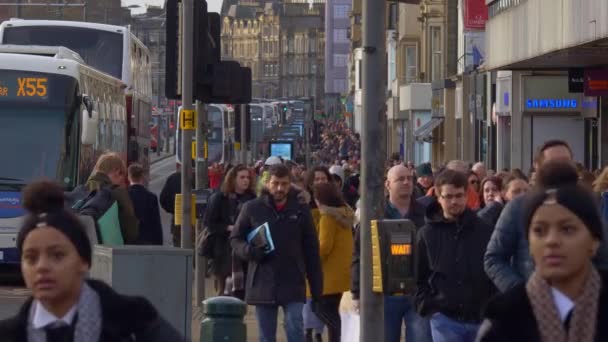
<point x="102" y="208"/>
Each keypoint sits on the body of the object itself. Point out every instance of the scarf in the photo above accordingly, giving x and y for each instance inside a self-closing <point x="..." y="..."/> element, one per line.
<point x="88" y="321"/>
<point x="584" y="314"/>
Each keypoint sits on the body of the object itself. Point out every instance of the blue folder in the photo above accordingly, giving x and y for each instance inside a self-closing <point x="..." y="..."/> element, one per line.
<point x="260" y="237"/>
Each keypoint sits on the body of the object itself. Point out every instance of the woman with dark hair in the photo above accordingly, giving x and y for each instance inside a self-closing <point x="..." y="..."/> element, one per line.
<point x="220" y="216"/>
<point x="315" y="176"/>
<point x="336" y="249"/>
<point x="566" y="298"/>
<point x="515" y="185"/>
<point x="491" y="191"/>
<point x="491" y="200"/>
<point x="66" y="306"/>
<point x="474" y="181"/>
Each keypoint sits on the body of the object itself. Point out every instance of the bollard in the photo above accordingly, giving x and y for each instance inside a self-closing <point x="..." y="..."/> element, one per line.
<point x="223" y="320"/>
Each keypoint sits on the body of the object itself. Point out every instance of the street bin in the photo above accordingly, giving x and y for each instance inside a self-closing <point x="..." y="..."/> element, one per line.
<point x="223" y="320"/>
<point x="163" y="275"/>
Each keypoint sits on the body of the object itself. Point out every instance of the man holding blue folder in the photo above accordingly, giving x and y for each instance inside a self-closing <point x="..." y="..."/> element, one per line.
<point x="276" y="234"/>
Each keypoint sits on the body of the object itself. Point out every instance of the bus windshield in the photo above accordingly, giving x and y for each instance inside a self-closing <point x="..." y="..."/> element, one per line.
<point x="38" y="134"/>
<point x="102" y="50"/>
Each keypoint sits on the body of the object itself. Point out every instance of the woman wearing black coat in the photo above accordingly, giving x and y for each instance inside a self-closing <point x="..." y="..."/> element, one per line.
<point x="566" y="298"/>
<point x="55" y="258"/>
<point x="223" y="209"/>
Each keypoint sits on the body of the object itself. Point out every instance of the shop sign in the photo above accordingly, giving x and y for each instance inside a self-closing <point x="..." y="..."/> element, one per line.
<point x="576" y="80"/>
<point x="568" y="104"/>
<point x="596" y="82"/>
<point x="475" y="14"/>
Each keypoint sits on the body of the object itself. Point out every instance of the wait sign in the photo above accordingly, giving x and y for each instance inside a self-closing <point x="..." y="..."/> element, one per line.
<point x="401" y="249"/>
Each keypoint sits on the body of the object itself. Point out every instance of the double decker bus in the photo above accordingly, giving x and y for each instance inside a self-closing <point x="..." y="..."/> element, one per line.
<point x="114" y="50"/>
<point x="57" y="115"/>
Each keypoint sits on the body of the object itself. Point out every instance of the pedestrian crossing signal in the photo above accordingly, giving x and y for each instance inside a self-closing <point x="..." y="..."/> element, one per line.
<point x="401" y="249"/>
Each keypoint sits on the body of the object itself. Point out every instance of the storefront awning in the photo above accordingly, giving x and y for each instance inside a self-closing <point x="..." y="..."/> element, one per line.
<point x="426" y="130"/>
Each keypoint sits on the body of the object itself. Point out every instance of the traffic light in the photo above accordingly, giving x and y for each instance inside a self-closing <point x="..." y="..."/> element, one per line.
<point x="172" y="66"/>
<point x="214" y="81"/>
<point x="205" y="45"/>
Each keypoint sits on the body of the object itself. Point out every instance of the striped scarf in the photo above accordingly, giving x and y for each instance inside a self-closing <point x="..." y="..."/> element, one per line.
<point x="584" y="315"/>
<point x="88" y="323"/>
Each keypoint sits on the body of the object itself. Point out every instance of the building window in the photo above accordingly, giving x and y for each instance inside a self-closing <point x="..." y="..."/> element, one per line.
<point x="411" y="63"/>
<point x="340" y="61"/>
<point x="436" y="54"/>
<point x="340" y="36"/>
<point x="341" y="11"/>
<point x="340" y="86"/>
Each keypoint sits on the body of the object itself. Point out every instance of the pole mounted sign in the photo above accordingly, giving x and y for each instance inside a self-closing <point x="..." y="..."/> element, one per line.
<point x="187" y="120"/>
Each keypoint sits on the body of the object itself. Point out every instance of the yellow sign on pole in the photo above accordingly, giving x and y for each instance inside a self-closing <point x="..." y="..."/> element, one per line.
<point x="237" y="146"/>
<point x="187" y="119"/>
<point x="179" y="209"/>
<point x="205" y="150"/>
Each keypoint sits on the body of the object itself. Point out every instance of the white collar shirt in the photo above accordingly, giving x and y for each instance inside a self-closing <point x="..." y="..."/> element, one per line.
<point x="43" y="318"/>
<point x="563" y="303"/>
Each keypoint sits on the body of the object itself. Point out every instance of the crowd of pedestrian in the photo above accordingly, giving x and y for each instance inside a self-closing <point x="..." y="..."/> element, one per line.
<point x="499" y="256"/>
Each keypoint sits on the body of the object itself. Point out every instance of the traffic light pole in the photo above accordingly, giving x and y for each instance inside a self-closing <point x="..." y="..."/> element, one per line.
<point x="373" y="158"/>
<point x="187" y="74"/>
<point x="243" y="134"/>
<point x="202" y="181"/>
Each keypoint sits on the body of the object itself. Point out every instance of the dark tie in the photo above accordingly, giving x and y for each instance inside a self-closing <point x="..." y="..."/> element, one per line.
<point x="567" y="320"/>
<point x="63" y="333"/>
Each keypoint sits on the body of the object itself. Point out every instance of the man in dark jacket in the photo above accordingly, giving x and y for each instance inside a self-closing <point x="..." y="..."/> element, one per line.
<point x="424" y="180"/>
<point x="146" y="208"/>
<point x="278" y="277"/>
<point x="172" y="187"/>
<point x="507" y="260"/>
<point x="398" y="307"/>
<point x="452" y="285"/>
<point x="110" y="172"/>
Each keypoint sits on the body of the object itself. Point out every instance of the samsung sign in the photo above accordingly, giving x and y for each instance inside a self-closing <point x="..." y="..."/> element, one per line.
<point x="551" y="104"/>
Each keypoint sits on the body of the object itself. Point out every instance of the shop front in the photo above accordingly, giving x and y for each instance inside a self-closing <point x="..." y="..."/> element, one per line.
<point x="549" y="111"/>
<point x="417" y="125"/>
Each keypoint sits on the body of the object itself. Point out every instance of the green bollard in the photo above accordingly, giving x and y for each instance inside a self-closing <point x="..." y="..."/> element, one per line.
<point x="223" y="320"/>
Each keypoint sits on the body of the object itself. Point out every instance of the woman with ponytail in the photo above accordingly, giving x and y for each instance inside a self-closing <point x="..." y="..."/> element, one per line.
<point x="65" y="306"/>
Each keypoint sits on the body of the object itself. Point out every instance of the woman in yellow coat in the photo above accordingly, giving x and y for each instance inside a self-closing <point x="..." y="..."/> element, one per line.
<point x="336" y="249"/>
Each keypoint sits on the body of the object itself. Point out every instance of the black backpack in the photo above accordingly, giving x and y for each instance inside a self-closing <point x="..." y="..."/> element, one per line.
<point x="93" y="204"/>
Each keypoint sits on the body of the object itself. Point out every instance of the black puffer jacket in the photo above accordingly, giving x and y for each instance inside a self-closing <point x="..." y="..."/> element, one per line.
<point x="124" y="319"/>
<point x="279" y="277"/>
<point x="449" y="266"/>
<point x="221" y="212"/>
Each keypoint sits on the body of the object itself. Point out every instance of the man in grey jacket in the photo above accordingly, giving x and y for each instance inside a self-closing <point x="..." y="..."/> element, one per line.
<point x="507" y="260"/>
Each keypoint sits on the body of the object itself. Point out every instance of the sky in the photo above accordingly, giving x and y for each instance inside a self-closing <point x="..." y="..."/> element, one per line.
<point x="213" y="5"/>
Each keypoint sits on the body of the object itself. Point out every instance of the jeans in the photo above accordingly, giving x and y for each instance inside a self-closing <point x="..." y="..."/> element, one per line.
<point x="445" y="329"/>
<point x="398" y="310"/>
<point x="267" y="322"/>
